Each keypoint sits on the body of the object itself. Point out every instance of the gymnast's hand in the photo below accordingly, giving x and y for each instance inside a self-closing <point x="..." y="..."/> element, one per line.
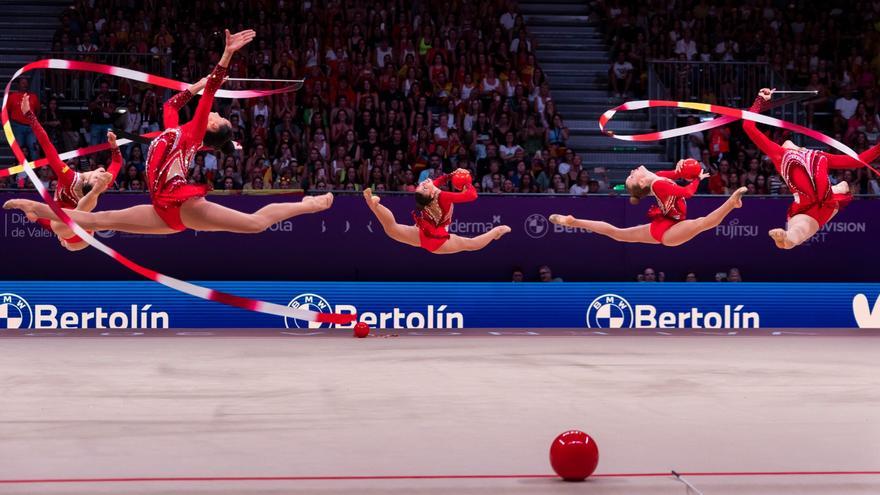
<point x="237" y="41"/>
<point x="25" y="104"/>
<point x="703" y="175"/>
<point x="766" y="93"/>
<point x="196" y="87"/>
<point x="111" y="138"/>
<point x="100" y="181"/>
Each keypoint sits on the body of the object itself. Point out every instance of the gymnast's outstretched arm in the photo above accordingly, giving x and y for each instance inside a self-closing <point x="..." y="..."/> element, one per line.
<point x="234" y="42"/>
<point x="768" y="147"/>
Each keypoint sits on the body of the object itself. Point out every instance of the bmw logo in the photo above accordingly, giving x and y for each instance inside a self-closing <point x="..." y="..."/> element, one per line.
<point x="537" y="226"/>
<point x="610" y="311"/>
<point x="15" y="312"/>
<point x="311" y="302"/>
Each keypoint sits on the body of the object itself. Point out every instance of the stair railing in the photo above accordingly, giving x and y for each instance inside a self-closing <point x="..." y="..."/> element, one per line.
<point x="732" y="84"/>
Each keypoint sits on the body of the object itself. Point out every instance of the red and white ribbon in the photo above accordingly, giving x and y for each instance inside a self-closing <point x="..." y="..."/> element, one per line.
<point x="170" y="282"/>
<point x="729" y="115"/>
<point x="133" y="75"/>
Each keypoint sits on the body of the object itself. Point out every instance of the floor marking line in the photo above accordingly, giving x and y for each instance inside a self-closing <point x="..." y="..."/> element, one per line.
<point x="425" y="477"/>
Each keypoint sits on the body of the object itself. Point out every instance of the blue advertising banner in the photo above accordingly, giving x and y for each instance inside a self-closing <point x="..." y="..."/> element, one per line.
<point x="346" y="243"/>
<point x="84" y="304"/>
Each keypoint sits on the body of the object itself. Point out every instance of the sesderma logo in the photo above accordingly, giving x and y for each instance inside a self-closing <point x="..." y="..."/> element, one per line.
<point x="431" y="317"/>
<point x="613" y="311"/>
<point x="866" y="316"/>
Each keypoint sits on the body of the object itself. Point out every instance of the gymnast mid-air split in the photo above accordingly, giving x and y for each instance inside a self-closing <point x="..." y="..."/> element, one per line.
<point x="805" y="172"/>
<point x="668" y="217"/>
<point x="433" y="215"/>
<point x="75" y="190"/>
<point x="177" y="205"/>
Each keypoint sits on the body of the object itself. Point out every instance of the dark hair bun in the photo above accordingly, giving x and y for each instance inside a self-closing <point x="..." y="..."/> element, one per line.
<point x="228" y="148"/>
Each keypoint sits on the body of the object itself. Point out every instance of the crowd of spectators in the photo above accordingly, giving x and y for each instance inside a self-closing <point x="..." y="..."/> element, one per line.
<point x="649" y="274"/>
<point x="399" y="91"/>
<point x="394" y="92"/>
<point x="544" y="274"/>
<point x="831" y="48"/>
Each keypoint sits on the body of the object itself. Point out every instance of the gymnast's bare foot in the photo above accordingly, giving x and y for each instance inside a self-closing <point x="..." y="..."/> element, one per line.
<point x="566" y="220"/>
<point x="500" y="231"/>
<point x="371" y="200"/>
<point x="737" y="197"/>
<point x="319" y="203"/>
<point x="30" y="208"/>
<point x="780" y="237"/>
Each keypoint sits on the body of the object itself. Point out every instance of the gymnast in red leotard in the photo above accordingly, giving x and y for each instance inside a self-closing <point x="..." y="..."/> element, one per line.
<point x="75" y="190"/>
<point x="669" y="225"/>
<point x="177" y="205"/>
<point x="433" y="216"/>
<point x="805" y="172"/>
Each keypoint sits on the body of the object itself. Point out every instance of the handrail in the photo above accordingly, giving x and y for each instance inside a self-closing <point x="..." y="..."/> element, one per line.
<point x="731" y="84"/>
<point x="711" y="62"/>
<point x="345" y="192"/>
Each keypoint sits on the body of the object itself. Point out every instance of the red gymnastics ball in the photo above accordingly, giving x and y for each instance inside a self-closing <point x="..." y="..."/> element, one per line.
<point x="574" y="455"/>
<point x="361" y="330"/>
<point x="461" y="179"/>
<point x="690" y="169"/>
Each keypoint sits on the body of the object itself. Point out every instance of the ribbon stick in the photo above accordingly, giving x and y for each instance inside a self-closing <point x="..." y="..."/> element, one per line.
<point x="249" y="79"/>
<point x="730" y="115"/>
<point x="170" y="282"/>
<point x="42" y="162"/>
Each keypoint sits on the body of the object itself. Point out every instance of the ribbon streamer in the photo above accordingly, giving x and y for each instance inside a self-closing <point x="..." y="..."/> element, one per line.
<point x="170" y="282"/>
<point x="730" y="115"/>
<point x="110" y="70"/>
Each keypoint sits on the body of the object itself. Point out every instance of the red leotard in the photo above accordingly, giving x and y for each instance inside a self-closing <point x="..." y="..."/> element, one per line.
<point x="65" y="194"/>
<point x="432" y="232"/>
<point x="805" y="172"/>
<point x="171" y="152"/>
<point x="671" y="207"/>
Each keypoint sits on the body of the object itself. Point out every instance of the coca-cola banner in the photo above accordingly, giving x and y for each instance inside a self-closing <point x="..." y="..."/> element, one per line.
<point x="347" y="243"/>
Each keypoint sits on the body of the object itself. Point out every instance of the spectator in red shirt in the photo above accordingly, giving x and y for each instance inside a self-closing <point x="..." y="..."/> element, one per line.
<point x="24" y="136"/>
<point x="719" y="141"/>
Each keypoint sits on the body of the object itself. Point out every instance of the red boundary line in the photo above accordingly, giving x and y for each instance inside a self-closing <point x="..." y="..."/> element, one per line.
<point x="427" y="477"/>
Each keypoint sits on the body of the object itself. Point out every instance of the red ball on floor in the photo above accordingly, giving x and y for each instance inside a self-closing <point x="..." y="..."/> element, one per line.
<point x="574" y="455"/>
<point x="361" y="330"/>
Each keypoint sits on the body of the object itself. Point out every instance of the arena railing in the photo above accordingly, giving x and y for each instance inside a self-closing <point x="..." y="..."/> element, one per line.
<point x="731" y="84"/>
<point x="346" y="192"/>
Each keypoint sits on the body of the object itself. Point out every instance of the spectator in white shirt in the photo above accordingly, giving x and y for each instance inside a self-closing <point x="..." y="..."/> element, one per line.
<point x="620" y="75"/>
<point x="508" y="18"/>
<point x="520" y="39"/>
<point x="686" y="45"/>
<point x="509" y="148"/>
<point x="210" y="161"/>
<point x="382" y="51"/>
<point x="582" y="186"/>
<point x="727" y="50"/>
<point x="844" y="109"/>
